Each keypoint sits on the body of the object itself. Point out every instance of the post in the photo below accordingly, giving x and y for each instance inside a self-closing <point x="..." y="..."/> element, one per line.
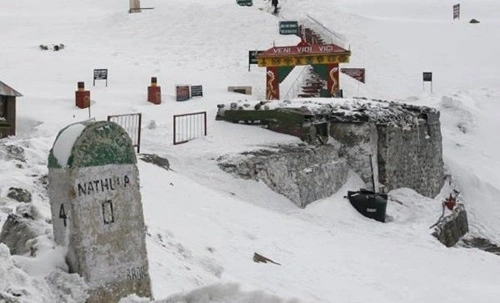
<point x="154" y="92"/>
<point x="82" y="96"/>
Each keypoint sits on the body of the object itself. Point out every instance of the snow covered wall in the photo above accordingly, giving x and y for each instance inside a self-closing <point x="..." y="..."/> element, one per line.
<point x="412" y="156"/>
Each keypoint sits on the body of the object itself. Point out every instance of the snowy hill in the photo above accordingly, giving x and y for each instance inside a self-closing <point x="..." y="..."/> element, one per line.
<point x="203" y="224"/>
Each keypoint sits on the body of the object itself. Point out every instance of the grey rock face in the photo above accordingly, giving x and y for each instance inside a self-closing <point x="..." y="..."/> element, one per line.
<point x="452" y="227"/>
<point x="16" y="232"/>
<point x="303" y="174"/>
<point x="19" y="194"/>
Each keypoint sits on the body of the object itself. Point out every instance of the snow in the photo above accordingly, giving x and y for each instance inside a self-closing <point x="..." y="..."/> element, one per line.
<point x="65" y="141"/>
<point x="204" y="225"/>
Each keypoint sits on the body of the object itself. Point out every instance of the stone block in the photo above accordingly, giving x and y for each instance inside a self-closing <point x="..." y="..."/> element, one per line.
<point x="97" y="211"/>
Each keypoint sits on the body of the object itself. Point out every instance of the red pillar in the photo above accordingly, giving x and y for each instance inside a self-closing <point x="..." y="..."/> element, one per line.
<point x="332" y="82"/>
<point x="82" y="96"/>
<point x="154" y="92"/>
<point x="272" y="84"/>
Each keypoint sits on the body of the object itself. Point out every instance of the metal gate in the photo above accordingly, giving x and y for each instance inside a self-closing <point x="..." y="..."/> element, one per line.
<point x="132" y="124"/>
<point x="189" y="126"/>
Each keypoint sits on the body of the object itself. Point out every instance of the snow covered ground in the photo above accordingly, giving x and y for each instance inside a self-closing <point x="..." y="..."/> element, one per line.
<point x="203" y="224"/>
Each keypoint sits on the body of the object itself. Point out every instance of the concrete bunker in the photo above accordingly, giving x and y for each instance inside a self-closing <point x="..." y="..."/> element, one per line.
<point x="399" y="143"/>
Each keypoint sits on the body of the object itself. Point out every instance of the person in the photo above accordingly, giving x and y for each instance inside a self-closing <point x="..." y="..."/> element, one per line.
<point x="275" y="4"/>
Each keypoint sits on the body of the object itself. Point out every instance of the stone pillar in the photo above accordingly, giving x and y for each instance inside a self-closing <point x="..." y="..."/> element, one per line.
<point x="272" y="84"/>
<point x="135" y="6"/>
<point x="154" y="92"/>
<point x="332" y="82"/>
<point x="82" y="96"/>
<point x="97" y="211"/>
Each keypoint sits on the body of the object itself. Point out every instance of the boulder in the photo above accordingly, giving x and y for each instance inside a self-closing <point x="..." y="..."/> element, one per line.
<point x="16" y="232"/>
<point x="19" y="194"/>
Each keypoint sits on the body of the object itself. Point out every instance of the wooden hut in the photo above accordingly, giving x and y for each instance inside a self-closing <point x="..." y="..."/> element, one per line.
<point x="7" y="110"/>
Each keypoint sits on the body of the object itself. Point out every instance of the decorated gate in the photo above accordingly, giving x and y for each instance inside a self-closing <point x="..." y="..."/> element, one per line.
<point x="280" y="61"/>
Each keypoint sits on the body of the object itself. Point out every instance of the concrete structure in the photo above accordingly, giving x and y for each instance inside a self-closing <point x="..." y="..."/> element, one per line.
<point x="135" y="6"/>
<point x="97" y="211"/>
<point x="400" y="143"/>
<point x="246" y="90"/>
<point x="303" y="174"/>
<point x="7" y="110"/>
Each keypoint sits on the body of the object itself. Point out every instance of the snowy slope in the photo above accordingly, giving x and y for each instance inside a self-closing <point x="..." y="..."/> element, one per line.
<point x="203" y="224"/>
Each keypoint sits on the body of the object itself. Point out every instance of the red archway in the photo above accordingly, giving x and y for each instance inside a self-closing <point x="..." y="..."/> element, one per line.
<point x="280" y="60"/>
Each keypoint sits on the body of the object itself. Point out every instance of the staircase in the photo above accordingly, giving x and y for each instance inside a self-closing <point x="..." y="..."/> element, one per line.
<point x="312" y="83"/>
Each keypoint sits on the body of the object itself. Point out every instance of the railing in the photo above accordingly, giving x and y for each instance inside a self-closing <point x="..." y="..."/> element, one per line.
<point x="132" y="125"/>
<point x="328" y="35"/>
<point x="189" y="126"/>
<point x="296" y="86"/>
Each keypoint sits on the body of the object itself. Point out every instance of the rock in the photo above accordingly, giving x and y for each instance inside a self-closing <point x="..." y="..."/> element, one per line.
<point x="451" y="228"/>
<point x="473" y="21"/>
<point x="16" y="232"/>
<point x="257" y="258"/>
<point x="155" y="159"/>
<point x="12" y="152"/>
<point x="19" y="194"/>
<point x="303" y="174"/>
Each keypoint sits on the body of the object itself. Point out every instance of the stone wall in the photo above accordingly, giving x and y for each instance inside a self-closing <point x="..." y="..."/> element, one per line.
<point x="359" y="146"/>
<point x="411" y="156"/>
<point x="452" y="227"/>
<point x="302" y="173"/>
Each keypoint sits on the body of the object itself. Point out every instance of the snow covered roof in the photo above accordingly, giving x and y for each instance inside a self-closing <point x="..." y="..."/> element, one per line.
<point x="347" y="110"/>
<point x="6" y="90"/>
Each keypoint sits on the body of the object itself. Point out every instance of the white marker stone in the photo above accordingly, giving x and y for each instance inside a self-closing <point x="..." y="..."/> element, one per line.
<point x="97" y="211"/>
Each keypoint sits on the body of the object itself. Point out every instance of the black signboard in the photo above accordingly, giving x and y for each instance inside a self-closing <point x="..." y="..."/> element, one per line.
<point x="245" y="2"/>
<point x="456" y="11"/>
<point x="182" y="92"/>
<point x="101" y="74"/>
<point x="196" y="91"/>
<point x="252" y="57"/>
<point x="427" y="76"/>
<point x="289" y="27"/>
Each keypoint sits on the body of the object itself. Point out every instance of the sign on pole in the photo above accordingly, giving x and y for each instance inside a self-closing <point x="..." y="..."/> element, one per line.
<point x="196" y="91"/>
<point x="101" y="74"/>
<point x="289" y="27"/>
<point x="427" y="77"/>
<point x="356" y="73"/>
<point x="245" y="2"/>
<point x="456" y="11"/>
<point x="252" y="57"/>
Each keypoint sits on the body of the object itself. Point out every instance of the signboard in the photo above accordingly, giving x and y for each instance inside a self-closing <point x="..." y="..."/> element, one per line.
<point x="289" y="27"/>
<point x="101" y="74"/>
<point x="196" y="91"/>
<point x="427" y="76"/>
<point x="356" y="73"/>
<point x="456" y="11"/>
<point x="245" y="2"/>
<point x="182" y="92"/>
<point x="252" y="57"/>
<point x="303" y="54"/>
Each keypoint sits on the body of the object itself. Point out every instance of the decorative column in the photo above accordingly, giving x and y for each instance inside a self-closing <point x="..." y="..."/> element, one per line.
<point x="272" y="84"/>
<point x="332" y="81"/>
